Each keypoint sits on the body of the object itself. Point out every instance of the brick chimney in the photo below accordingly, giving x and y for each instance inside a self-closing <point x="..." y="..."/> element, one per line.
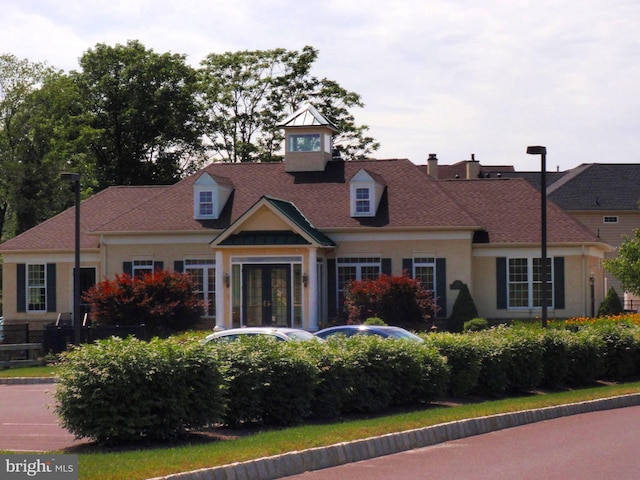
<point x="432" y="165"/>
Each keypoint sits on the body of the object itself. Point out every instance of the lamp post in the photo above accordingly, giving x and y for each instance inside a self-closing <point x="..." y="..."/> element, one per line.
<point x="542" y="151"/>
<point x="593" y="296"/>
<point x="75" y="178"/>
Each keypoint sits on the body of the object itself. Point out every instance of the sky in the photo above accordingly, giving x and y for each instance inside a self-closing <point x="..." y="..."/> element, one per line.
<point x="450" y="77"/>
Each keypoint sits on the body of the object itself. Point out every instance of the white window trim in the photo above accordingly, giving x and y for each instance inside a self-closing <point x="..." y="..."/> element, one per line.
<point x="28" y="288"/>
<point x="530" y="283"/>
<point x="610" y="219"/>
<point x="197" y="204"/>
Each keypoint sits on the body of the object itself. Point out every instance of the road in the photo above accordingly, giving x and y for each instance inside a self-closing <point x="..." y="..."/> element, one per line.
<point x="591" y="446"/>
<point x="26" y="424"/>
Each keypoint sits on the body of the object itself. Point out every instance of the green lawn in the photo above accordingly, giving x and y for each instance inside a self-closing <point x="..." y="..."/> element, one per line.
<point x="142" y="463"/>
<point x="46" y="371"/>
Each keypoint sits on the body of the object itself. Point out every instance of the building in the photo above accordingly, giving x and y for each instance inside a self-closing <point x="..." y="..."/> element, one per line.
<point x="277" y="243"/>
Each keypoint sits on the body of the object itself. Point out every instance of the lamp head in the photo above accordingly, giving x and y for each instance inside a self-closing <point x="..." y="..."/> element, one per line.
<point x="537" y="150"/>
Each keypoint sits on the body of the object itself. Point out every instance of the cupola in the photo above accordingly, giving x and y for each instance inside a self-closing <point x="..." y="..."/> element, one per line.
<point x="308" y="145"/>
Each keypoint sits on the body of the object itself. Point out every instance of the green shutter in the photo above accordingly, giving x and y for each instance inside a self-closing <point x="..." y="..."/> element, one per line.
<point x="178" y="266"/>
<point x="558" y="282"/>
<point x="127" y="267"/>
<point x="51" y="287"/>
<point x="441" y="286"/>
<point x="501" y="283"/>
<point x="21" y="287"/>
<point x="386" y="266"/>
<point x="158" y="266"/>
<point x="332" y="288"/>
<point x="407" y="266"/>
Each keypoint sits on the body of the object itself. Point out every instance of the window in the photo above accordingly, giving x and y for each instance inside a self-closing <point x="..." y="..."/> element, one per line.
<point x="610" y="219"/>
<point x="363" y="201"/>
<point x="356" y="268"/>
<point x="305" y="142"/>
<point x="524" y="280"/>
<point x="36" y="288"/>
<point x="141" y="268"/>
<point x="424" y="269"/>
<point x="205" y="203"/>
<point x="203" y="273"/>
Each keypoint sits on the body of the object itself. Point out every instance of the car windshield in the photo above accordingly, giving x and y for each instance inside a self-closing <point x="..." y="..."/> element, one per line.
<point x="400" y="333"/>
<point x="300" y="335"/>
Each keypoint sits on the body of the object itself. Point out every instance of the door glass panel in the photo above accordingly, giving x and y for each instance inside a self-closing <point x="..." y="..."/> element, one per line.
<point x="279" y="283"/>
<point x="254" y="293"/>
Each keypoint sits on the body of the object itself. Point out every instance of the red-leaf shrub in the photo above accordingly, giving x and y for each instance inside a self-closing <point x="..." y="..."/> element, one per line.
<point x="164" y="301"/>
<point x="396" y="300"/>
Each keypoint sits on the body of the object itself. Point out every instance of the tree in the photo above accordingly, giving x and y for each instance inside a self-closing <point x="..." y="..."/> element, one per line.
<point x="464" y="309"/>
<point x="611" y="304"/>
<point x="143" y="108"/>
<point x="626" y="266"/>
<point x="246" y="95"/>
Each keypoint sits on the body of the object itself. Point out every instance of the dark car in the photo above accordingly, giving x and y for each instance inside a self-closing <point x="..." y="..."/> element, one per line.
<point x="381" y="331"/>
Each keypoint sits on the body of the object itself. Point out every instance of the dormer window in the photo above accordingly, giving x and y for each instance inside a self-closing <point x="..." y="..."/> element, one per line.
<point x="366" y="192"/>
<point x="210" y="196"/>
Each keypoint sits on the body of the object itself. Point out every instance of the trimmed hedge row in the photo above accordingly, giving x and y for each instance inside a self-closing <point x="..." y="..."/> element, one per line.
<point x="122" y="391"/>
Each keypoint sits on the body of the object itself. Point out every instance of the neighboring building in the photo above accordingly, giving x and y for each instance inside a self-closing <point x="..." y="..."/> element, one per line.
<point x="277" y="243"/>
<point x="603" y="197"/>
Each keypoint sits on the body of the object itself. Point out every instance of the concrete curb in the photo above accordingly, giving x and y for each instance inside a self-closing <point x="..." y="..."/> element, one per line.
<point x="294" y="463"/>
<point x="27" y="380"/>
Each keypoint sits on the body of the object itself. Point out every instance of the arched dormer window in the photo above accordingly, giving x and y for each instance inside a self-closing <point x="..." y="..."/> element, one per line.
<point x="210" y="196"/>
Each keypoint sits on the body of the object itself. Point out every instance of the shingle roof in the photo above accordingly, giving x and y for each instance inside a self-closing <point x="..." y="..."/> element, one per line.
<point x="58" y="232"/>
<point x="509" y="210"/>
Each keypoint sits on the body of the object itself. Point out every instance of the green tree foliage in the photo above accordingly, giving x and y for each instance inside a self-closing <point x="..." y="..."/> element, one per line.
<point x="144" y="114"/>
<point x="163" y="301"/>
<point x="626" y="266"/>
<point x="396" y="300"/>
<point x="611" y="304"/>
<point x="247" y="94"/>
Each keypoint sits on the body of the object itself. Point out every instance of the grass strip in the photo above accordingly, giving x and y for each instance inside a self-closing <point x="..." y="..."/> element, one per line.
<point x="143" y="463"/>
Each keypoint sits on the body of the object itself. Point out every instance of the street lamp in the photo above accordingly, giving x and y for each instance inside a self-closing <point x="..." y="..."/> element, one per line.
<point x="593" y="296"/>
<point x="75" y="178"/>
<point x="542" y="151"/>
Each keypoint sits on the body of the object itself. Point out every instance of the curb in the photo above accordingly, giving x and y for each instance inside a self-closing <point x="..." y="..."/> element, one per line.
<point x="27" y="380"/>
<point x="295" y="463"/>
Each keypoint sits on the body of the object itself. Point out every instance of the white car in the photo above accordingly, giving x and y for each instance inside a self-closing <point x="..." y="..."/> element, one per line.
<point x="1" y="329"/>
<point x="279" y="333"/>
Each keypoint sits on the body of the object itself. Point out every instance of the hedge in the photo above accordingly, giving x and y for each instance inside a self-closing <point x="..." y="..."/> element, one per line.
<point x="123" y="391"/>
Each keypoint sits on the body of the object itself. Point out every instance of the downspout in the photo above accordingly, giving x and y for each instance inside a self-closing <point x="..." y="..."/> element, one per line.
<point x="312" y="291"/>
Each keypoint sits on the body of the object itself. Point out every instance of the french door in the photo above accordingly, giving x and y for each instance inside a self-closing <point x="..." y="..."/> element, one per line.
<point x="266" y="295"/>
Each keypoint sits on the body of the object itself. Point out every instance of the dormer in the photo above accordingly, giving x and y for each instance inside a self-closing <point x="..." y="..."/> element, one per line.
<point x="210" y="195"/>
<point x="366" y="190"/>
<point x="308" y="145"/>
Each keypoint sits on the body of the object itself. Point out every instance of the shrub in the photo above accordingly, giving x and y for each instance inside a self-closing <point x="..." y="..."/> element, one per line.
<point x="475" y="325"/>
<point x="125" y="391"/>
<point x="396" y="300"/>
<point x="525" y="352"/>
<point x="375" y="321"/>
<point x="463" y="358"/>
<point x="266" y="381"/>
<point x="556" y="357"/>
<point x="611" y="304"/>
<point x="585" y="360"/>
<point x="620" y="350"/>
<point x="464" y="309"/>
<point x="493" y="377"/>
<point x="164" y="301"/>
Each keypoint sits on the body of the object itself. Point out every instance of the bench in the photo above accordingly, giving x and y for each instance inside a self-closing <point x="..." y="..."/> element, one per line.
<point x="30" y="350"/>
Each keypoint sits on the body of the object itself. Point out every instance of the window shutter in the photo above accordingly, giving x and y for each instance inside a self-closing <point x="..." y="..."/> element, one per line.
<point x="178" y="266"/>
<point x="127" y="267"/>
<point x="51" y="287"/>
<point x="441" y="286"/>
<point x="21" y="287"/>
<point x="558" y="282"/>
<point x="332" y="288"/>
<point x="158" y="266"/>
<point x="501" y="283"/>
<point x="386" y="266"/>
<point x="407" y="266"/>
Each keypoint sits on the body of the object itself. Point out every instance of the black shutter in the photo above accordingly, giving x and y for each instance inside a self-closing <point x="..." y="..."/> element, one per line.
<point x="51" y="287"/>
<point x="558" y="282"/>
<point x="21" y="287"/>
<point x="158" y="266"/>
<point x="407" y="266"/>
<point x="178" y="266"/>
<point x="127" y="267"/>
<point x="441" y="286"/>
<point x="386" y="266"/>
<point x="501" y="283"/>
<point x="332" y="288"/>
